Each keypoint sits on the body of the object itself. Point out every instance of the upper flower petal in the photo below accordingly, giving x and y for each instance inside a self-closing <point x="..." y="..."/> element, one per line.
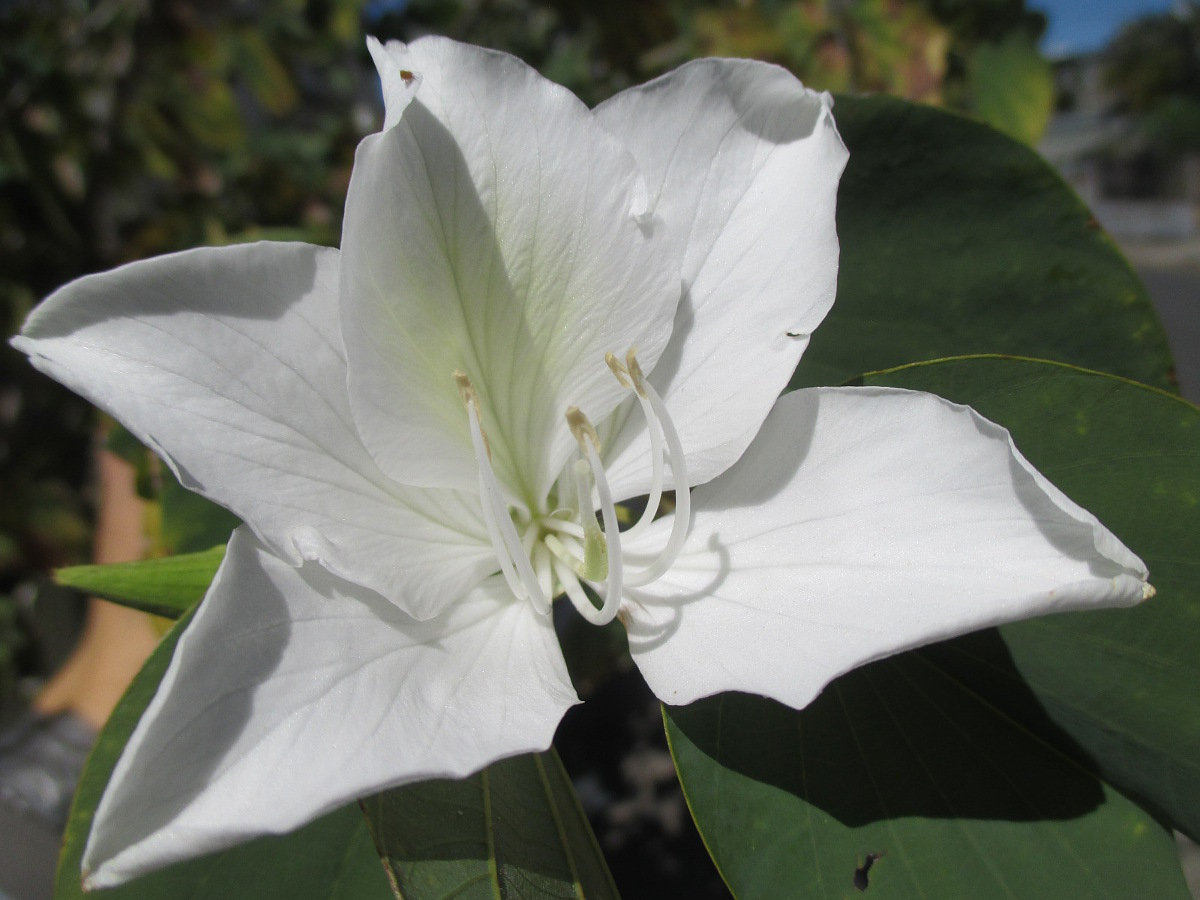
<point x="227" y="363"/>
<point x="863" y="522"/>
<point x="399" y="84"/>
<point x="294" y="692"/>
<point x="497" y="229"/>
<point x="742" y="163"/>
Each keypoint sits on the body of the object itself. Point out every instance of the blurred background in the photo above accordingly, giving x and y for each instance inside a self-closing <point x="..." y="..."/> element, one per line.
<point x="130" y="128"/>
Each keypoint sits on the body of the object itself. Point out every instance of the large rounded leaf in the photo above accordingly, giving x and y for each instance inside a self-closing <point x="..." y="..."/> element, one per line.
<point x="903" y="766"/>
<point x="956" y="239"/>
<point x="1124" y="684"/>
<point x="968" y="780"/>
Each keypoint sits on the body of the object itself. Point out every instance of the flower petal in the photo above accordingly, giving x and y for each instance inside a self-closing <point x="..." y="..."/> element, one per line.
<point x="399" y="84"/>
<point x="294" y="692"/>
<point x="862" y="522"/>
<point x="227" y="363"/>
<point x="497" y="230"/>
<point x="742" y="162"/>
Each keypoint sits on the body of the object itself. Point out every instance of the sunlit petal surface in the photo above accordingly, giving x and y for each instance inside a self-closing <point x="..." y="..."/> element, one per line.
<point x="862" y="522"/>
<point x="294" y="692"/>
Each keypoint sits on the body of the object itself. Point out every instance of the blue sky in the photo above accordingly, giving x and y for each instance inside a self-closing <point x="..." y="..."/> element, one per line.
<point x="1079" y="26"/>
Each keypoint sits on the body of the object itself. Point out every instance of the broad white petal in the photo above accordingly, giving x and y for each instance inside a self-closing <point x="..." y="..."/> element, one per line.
<point x="294" y="692"/>
<point x="227" y="362"/>
<point x="742" y="163"/>
<point x="497" y="230"/>
<point x="862" y="522"/>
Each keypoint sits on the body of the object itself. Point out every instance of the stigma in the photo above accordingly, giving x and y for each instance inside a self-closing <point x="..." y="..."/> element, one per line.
<point x="578" y="542"/>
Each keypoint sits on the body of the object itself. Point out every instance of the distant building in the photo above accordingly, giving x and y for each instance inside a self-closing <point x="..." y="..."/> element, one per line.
<point x="1134" y="189"/>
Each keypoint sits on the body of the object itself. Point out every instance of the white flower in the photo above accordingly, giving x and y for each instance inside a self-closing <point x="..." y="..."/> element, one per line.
<point x="406" y="428"/>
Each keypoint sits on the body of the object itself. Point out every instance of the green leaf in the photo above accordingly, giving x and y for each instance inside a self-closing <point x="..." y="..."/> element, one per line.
<point x="956" y="239"/>
<point x="515" y="830"/>
<point x="329" y="859"/>
<point x="165" y="587"/>
<point x="189" y="521"/>
<point x="901" y="760"/>
<point x="1012" y="87"/>
<point x="997" y="764"/>
<point x="1122" y="683"/>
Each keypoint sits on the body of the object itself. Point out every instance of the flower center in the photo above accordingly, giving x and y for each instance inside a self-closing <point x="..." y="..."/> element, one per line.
<point x="543" y="555"/>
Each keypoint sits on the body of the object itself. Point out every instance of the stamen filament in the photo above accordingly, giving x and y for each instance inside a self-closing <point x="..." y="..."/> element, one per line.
<point x="493" y="530"/>
<point x="630" y="376"/>
<point x="503" y="534"/>
<point x="612" y="533"/>
<point x="571" y="528"/>
<point x="595" y="553"/>
<point x="563" y="552"/>
<point x="594" y="543"/>
<point x="542" y="567"/>
<point x="486" y="487"/>
<point x="575" y="593"/>
<point x="654" y="500"/>
<point x="683" y="500"/>
<point x="541" y="551"/>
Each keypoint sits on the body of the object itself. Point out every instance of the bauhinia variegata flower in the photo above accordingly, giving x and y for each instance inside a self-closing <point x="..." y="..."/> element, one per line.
<point x="539" y="313"/>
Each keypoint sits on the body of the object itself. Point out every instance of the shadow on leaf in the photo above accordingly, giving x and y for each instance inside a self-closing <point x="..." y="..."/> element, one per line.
<point x="908" y="736"/>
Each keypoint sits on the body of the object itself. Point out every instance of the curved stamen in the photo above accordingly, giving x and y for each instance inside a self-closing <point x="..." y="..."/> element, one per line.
<point x="570" y="555"/>
<point x="608" y="510"/>
<point x="563" y="526"/>
<point x="543" y="569"/>
<point x="653" y="429"/>
<point x="589" y="444"/>
<point x="683" y="500"/>
<point x="479" y="442"/>
<point x="498" y="545"/>
<point x="514" y="561"/>
<point x="595" y="551"/>
<point x="555" y="549"/>
<point x="574" y="591"/>
<point x="654" y="500"/>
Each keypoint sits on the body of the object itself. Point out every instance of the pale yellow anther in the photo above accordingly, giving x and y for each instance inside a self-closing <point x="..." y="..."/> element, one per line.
<point x="466" y="390"/>
<point x="581" y="427"/>
<point x="617" y="369"/>
<point x="636" y="375"/>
